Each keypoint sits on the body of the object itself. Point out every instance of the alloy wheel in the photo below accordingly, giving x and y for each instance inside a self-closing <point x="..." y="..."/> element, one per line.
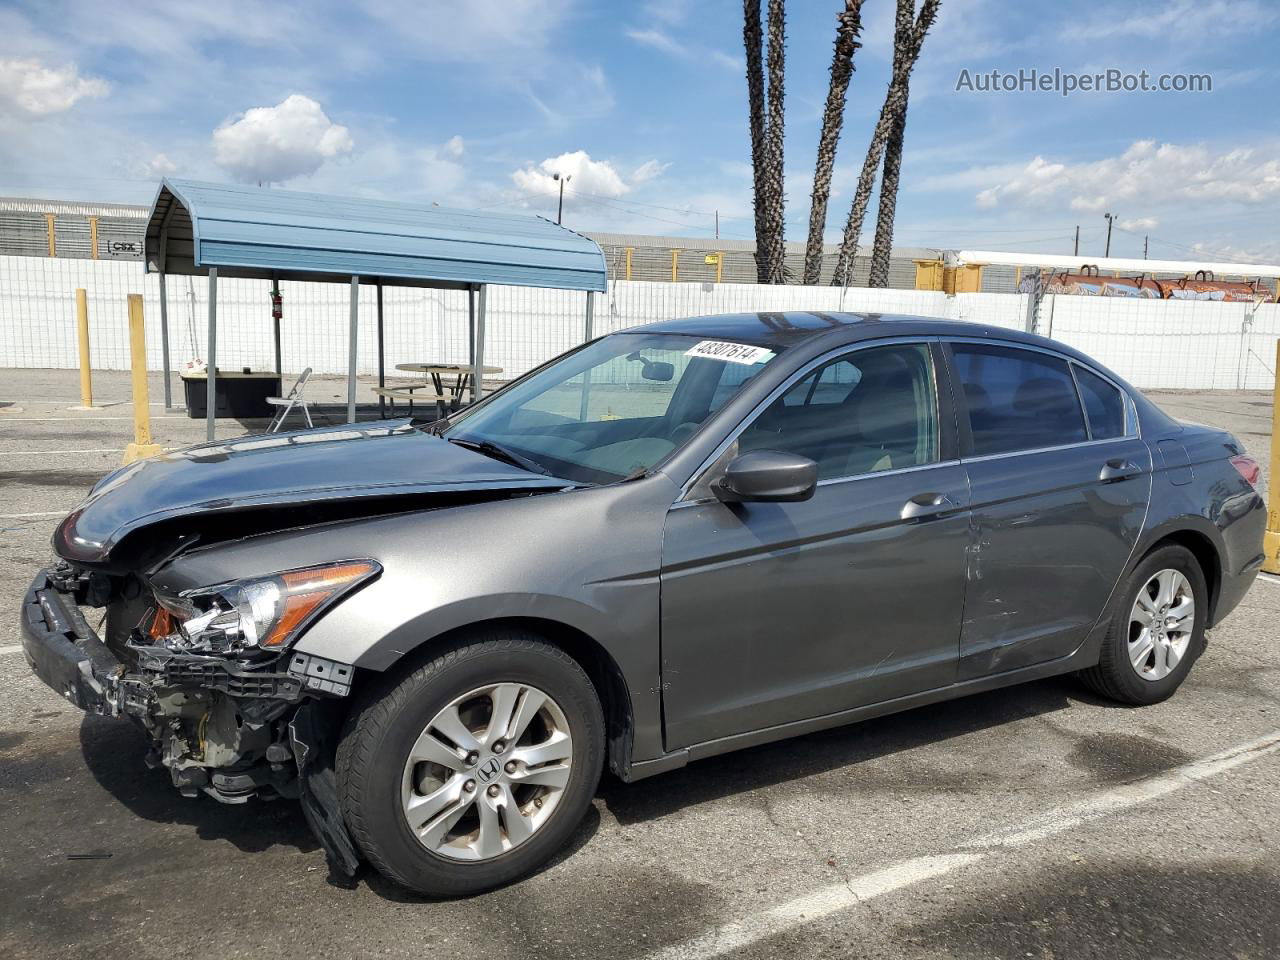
<point x="1160" y="624"/>
<point x="487" y="772"/>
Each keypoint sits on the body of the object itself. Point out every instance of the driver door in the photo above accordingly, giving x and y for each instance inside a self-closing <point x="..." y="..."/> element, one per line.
<point x="779" y="612"/>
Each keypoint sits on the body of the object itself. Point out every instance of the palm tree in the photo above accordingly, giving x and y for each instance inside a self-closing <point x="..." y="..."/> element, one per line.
<point x="883" y="246"/>
<point x="908" y="39"/>
<point x="767" y="136"/>
<point x="753" y="40"/>
<point x="774" y="192"/>
<point x="848" y="26"/>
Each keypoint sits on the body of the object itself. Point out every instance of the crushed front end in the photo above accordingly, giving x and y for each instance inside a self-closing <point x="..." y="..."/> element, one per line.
<point x="209" y="674"/>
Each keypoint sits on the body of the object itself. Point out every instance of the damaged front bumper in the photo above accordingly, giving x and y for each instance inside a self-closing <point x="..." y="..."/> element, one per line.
<point x="221" y="726"/>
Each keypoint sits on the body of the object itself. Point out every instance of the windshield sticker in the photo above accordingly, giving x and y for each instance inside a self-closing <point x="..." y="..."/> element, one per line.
<point x="732" y="352"/>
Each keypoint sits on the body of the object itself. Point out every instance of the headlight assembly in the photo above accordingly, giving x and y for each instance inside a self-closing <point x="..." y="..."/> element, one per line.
<point x="266" y="613"/>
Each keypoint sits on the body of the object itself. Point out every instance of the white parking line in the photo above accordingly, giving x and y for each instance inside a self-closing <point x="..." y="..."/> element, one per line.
<point x="15" y="648"/>
<point x="25" y="516"/>
<point x="1269" y="578"/>
<point x="841" y="896"/>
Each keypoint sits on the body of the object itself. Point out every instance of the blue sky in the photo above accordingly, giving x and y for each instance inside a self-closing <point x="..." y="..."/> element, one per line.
<point x="475" y="104"/>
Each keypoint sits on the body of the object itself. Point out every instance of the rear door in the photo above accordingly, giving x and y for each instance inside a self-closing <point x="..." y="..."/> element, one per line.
<point x="1060" y="482"/>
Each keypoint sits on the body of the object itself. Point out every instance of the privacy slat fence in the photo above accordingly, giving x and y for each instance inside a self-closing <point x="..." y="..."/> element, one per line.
<point x="1172" y="344"/>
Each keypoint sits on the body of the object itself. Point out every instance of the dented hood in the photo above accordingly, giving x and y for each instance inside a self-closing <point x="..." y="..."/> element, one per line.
<point x="351" y="462"/>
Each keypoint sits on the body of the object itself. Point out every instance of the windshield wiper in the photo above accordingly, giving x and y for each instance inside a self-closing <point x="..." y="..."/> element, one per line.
<point x="491" y="449"/>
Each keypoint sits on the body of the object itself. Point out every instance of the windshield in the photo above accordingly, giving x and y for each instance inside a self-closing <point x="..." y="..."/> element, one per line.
<point x="614" y="408"/>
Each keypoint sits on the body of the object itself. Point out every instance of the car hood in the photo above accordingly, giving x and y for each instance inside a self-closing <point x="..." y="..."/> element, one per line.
<point x="350" y="465"/>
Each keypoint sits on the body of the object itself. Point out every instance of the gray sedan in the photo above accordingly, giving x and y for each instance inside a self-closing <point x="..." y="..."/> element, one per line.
<point x="669" y="543"/>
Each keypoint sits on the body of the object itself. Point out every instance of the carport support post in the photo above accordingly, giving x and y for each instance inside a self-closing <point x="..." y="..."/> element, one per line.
<point x="587" y="327"/>
<point x="211" y="362"/>
<point x="351" y="350"/>
<point x="382" y="362"/>
<point x="477" y="368"/>
<point x="164" y="342"/>
<point x="1271" y="539"/>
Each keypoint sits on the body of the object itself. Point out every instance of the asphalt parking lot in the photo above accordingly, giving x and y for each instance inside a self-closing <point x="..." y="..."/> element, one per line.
<point x="1034" y="822"/>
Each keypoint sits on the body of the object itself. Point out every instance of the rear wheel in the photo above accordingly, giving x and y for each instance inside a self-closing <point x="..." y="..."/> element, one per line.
<point x="475" y="768"/>
<point x="1157" y="629"/>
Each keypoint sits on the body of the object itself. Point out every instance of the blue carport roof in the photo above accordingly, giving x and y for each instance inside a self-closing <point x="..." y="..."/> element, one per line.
<point x="261" y="232"/>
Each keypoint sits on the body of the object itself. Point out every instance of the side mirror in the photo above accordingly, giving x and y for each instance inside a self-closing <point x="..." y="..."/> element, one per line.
<point x="767" y="476"/>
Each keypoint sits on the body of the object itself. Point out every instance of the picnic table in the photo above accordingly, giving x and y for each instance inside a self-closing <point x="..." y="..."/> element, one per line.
<point x="449" y="380"/>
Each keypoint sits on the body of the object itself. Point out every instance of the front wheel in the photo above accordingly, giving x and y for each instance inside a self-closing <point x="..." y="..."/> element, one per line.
<point x="473" y="769"/>
<point x="1157" y="629"/>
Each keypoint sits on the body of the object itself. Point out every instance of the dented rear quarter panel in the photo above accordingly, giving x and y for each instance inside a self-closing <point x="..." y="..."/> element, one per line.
<point x="1195" y="488"/>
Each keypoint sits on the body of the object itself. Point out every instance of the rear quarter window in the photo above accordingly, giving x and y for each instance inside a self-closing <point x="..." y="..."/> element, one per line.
<point x="1103" y="402"/>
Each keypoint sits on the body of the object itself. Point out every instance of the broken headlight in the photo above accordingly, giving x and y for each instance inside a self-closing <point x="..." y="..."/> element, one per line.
<point x="266" y="613"/>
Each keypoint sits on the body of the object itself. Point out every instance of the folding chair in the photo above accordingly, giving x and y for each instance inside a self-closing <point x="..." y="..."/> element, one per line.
<point x="286" y="404"/>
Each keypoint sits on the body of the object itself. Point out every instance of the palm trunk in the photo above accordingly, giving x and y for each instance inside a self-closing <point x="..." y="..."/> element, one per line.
<point x="774" y="196"/>
<point x="847" y="31"/>
<point x="753" y="40"/>
<point x="883" y="247"/>
<point x="908" y="41"/>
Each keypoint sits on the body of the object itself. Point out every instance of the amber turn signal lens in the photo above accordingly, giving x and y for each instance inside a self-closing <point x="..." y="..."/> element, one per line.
<point x="305" y="590"/>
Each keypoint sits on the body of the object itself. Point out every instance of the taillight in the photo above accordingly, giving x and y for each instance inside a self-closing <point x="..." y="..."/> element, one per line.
<point x="1248" y="468"/>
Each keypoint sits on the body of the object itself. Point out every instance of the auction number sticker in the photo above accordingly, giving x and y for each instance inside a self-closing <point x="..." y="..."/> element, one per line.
<point x="732" y="352"/>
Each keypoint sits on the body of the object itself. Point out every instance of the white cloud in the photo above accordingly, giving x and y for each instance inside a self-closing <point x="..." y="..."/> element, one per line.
<point x="1139" y="223"/>
<point x="1147" y="175"/>
<point x="658" y="41"/>
<point x="159" y="166"/>
<point x="648" y="171"/>
<point x="596" y="177"/>
<point x="663" y="42"/>
<point x="1171" y="21"/>
<point x="273" y="144"/>
<point x="39" y="89"/>
<point x="442" y="171"/>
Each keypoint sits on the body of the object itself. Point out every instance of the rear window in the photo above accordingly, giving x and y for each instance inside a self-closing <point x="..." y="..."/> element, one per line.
<point x="1017" y="399"/>
<point x="1103" y="403"/>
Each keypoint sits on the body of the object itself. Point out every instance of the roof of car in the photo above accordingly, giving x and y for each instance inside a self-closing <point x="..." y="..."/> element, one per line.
<point x="788" y="328"/>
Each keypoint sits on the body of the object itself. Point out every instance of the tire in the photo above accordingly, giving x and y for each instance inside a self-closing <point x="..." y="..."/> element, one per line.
<point x="379" y="783"/>
<point x="1116" y="676"/>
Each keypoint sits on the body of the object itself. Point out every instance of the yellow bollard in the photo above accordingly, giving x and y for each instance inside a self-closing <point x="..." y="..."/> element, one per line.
<point x="86" y="371"/>
<point x="1271" y="539"/>
<point x="142" y="445"/>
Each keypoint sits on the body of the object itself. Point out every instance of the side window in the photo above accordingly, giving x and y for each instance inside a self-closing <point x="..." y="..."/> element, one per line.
<point x="871" y="410"/>
<point x="1017" y="399"/>
<point x="1103" y="403"/>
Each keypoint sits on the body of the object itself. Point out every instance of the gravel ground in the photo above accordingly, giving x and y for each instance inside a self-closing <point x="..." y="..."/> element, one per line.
<point x="1112" y="836"/>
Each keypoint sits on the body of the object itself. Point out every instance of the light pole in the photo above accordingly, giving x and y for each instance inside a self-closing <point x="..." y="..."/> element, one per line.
<point x="563" y="180"/>
<point x="1111" y="219"/>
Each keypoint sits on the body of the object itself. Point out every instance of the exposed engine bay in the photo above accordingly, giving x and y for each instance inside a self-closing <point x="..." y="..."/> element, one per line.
<point x="231" y="711"/>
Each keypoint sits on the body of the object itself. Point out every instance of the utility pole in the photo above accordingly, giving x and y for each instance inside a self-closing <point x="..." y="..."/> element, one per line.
<point x="563" y="180"/>
<point x="717" y="224"/>
<point x="1145" y="239"/>
<point x="1111" y="219"/>
<point x="1076" y="251"/>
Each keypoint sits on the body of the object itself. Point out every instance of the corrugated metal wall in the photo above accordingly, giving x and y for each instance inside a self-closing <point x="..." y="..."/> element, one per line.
<point x="1153" y="343"/>
<point x="24" y="232"/>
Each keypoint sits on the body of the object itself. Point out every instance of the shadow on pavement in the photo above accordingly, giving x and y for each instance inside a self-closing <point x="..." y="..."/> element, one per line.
<point x="113" y="752"/>
<point x="816" y="753"/>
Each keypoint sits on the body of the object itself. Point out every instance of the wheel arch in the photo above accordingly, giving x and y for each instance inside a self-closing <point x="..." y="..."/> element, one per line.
<point x="1203" y="549"/>
<point x="599" y="665"/>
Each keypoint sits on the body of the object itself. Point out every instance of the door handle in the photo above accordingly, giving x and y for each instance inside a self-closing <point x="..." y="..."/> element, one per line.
<point x="1118" y="469"/>
<point x="924" y="505"/>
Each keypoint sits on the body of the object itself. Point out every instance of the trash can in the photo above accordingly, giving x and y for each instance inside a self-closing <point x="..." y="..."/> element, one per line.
<point x="239" y="394"/>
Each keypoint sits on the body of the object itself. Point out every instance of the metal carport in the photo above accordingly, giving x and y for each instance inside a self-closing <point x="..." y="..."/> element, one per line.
<point x="216" y="230"/>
